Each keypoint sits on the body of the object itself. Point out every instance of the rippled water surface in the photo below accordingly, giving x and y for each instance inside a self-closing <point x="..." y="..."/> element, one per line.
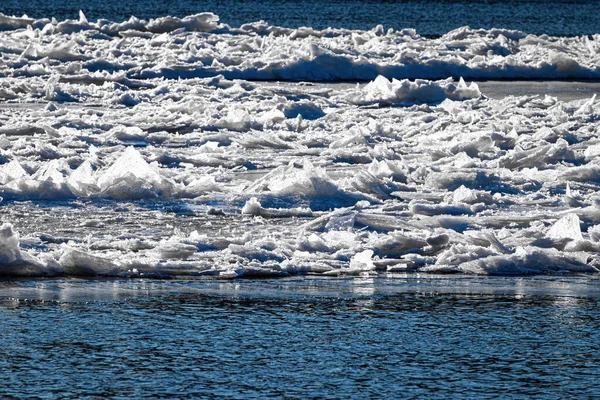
<point x="432" y="17"/>
<point x="405" y="335"/>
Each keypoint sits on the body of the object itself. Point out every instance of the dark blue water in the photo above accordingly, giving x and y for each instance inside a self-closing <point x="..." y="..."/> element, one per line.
<point x="433" y="17"/>
<point x="302" y="338"/>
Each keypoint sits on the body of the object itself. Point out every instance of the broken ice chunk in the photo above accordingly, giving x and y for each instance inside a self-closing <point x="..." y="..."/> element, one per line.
<point x="566" y="228"/>
<point x="131" y="176"/>
<point x="362" y="261"/>
<point x="11" y="171"/>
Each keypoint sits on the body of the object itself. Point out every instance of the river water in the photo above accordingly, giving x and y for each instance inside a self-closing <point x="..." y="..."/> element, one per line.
<point x="430" y="17"/>
<point x="305" y="337"/>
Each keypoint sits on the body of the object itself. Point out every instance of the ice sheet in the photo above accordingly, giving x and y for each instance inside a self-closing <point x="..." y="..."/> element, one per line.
<point x="128" y="150"/>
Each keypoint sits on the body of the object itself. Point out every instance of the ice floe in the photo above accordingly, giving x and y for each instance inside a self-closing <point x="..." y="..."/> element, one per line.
<point x="148" y="148"/>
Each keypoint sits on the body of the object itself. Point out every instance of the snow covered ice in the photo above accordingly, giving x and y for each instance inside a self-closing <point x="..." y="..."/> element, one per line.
<point x="149" y="148"/>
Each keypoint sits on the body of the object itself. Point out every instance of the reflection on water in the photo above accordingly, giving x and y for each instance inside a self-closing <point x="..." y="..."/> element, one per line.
<point x="81" y="289"/>
<point x="408" y="335"/>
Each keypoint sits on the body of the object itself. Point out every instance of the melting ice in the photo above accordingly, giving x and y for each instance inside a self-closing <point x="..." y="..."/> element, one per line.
<point x="149" y="148"/>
